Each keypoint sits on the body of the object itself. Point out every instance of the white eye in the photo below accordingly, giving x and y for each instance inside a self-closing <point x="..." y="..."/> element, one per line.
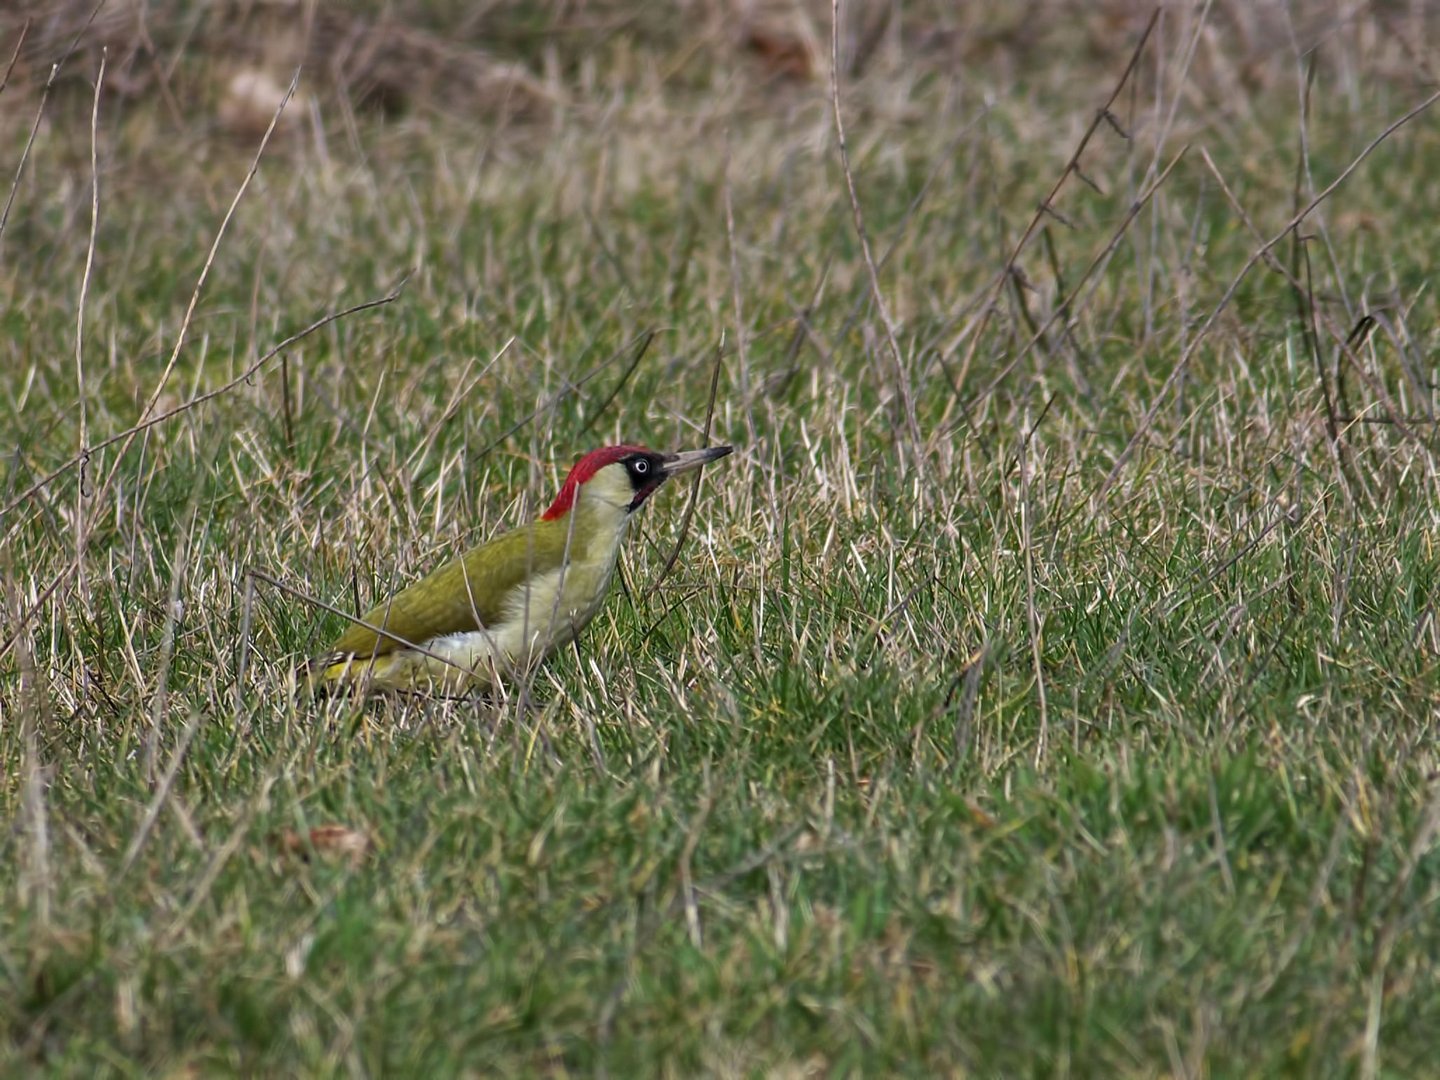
<point x="642" y="467"/>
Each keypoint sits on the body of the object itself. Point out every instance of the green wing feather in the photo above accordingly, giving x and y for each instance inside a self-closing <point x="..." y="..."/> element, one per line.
<point x="463" y="595"/>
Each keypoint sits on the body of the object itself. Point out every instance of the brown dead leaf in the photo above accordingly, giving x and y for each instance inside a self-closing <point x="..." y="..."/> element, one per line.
<point x="784" y="54"/>
<point x="980" y="817"/>
<point x="338" y="841"/>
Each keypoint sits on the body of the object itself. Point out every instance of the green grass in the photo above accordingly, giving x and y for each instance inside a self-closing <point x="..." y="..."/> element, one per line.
<point x="867" y="784"/>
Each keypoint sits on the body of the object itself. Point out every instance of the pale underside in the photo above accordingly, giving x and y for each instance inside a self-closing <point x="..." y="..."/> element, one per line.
<point x="494" y="612"/>
<point x="476" y="659"/>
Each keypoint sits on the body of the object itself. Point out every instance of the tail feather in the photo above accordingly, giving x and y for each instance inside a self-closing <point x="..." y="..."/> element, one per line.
<point x="335" y="672"/>
<point x="338" y="673"/>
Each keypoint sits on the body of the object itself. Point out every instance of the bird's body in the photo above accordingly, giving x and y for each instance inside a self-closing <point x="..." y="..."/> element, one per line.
<point x="508" y="603"/>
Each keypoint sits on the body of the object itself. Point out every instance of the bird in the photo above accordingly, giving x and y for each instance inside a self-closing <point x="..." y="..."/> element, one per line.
<point x="503" y="607"/>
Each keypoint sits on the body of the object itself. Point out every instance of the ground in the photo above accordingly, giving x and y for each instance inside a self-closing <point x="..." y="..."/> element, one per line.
<point x="1047" y="684"/>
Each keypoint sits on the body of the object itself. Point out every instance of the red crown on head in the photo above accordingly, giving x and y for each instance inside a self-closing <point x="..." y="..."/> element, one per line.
<point x="584" y="469"/>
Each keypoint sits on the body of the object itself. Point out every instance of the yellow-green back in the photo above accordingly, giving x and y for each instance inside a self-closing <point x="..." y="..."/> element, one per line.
<point x="463" y="595"/>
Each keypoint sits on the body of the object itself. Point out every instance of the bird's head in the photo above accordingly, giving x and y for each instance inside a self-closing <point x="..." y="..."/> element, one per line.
<point x="625" y="476"/>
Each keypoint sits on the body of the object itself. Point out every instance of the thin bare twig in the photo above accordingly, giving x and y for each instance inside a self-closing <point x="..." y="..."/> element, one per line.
<point x="902" y="381"/>
<point x="199" y="399"/>
<point x="1103" y="115"/>
<point x="29" y="613"/>
<point x="162" y="793"/>
<point x="463" y="387"/>
<point x="174" y="606"/>
<point x="1305" y="298"/>
<point x="694" y="484"/>
<point x="199" y="287"/>
<point x="550" y="402"/>
<point x="1348" y="343"/>
<point x="34" y="880"/>
<point x="1181" y="365"/>
<point x="685" y="870"/>
<point x="1032" y="617"/>
<point x="209" y="395"/>
<point x="1066" y="306"/>
<point x="742" y="351"/>
<point x="29" y="145"/>
<point x="620" y="383"/>
<point x="242" y="662"/>
<point x="44" y="99"/>
<point x="82" y="518"/>
<point x="15" y="56"/>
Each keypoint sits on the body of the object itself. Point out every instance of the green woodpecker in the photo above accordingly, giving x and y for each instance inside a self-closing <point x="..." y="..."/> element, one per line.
<point x="511" y="602"/>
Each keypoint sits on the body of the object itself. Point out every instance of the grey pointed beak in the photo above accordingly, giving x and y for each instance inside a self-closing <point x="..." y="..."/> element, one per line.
<point x="686" y="460"/>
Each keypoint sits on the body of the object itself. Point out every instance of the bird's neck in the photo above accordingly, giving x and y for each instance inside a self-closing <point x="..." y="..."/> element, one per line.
<point x="593" y="530"/>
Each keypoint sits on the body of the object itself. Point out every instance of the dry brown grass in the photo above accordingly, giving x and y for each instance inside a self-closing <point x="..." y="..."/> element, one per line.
<point x="516" y="58"/>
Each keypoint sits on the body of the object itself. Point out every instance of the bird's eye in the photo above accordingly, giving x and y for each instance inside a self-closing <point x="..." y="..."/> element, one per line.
<point x="642" y="467"/>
